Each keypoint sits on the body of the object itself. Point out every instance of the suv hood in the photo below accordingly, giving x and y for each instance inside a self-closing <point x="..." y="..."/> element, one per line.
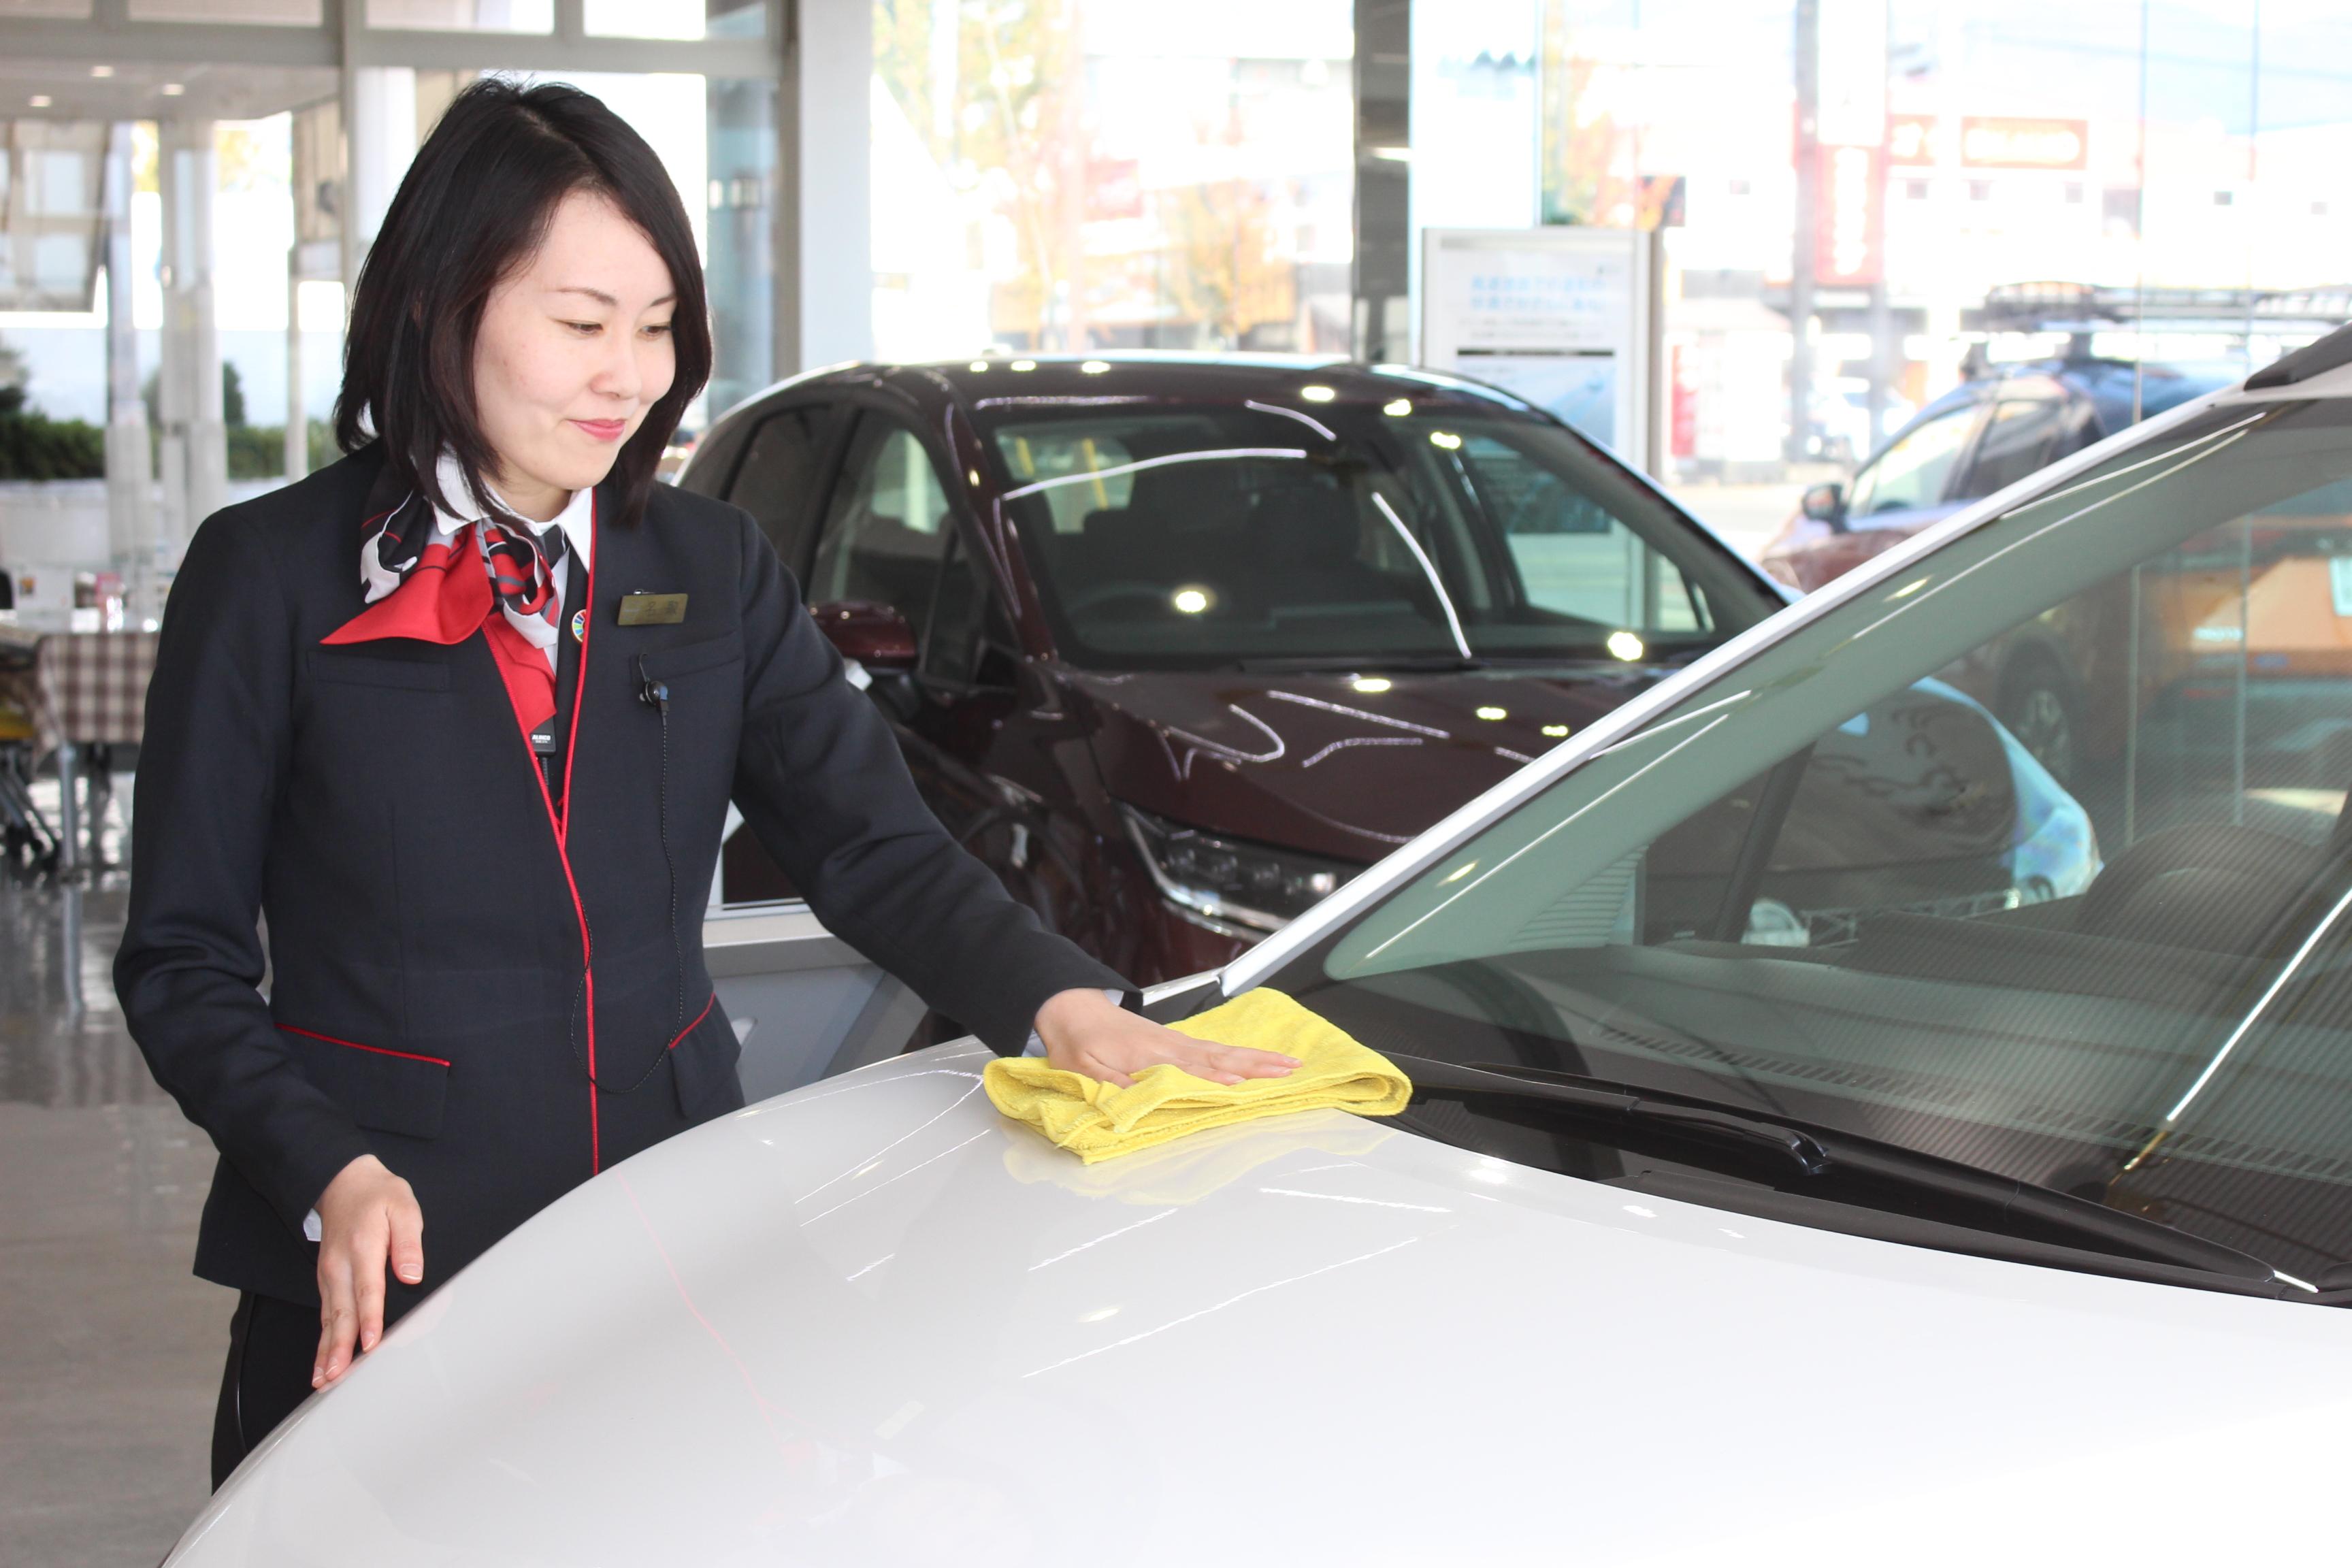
<point x="872" y="1323"/>
<point x="1315" y="762"/>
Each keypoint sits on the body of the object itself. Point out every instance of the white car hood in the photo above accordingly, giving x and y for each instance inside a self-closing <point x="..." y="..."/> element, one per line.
<point x="872" y="1323"/>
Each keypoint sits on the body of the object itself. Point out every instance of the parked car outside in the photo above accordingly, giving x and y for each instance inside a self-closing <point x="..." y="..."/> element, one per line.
<point x="2044" y="683"/>
<point x="1982" y="436"/>
<point x="1947" y="1184"/>
<point x="1179" y="645"/>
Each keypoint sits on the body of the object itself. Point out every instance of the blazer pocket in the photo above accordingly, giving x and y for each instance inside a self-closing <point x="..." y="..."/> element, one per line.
<point x="669" y="663"/>
<point x="392" y="1091"/>
<point x="357" y="669"/>
<point x="702" y="1066"/>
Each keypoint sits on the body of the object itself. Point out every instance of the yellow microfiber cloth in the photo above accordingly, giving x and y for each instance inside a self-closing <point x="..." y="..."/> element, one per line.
<point x="1097" y="1121"/>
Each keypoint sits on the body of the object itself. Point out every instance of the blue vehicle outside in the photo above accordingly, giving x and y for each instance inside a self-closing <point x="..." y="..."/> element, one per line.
<point x="1982" y="436"/>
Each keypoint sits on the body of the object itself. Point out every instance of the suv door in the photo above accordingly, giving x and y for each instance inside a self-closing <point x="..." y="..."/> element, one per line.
<point x="772" y="463"/>
<point x="894" y="535"/>
<point x="1900" y="491"/>
<point x="777" y="478"/>
<point x="2023" y="435"/>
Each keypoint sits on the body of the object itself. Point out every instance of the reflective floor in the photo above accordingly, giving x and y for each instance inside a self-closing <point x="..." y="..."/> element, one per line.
<point x="110" y="1350"/>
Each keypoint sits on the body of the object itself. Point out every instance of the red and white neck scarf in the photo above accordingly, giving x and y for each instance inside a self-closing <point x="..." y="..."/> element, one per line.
<point x="487" y="576"/>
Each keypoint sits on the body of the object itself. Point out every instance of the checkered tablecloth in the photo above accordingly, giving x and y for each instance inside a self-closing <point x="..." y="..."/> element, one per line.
<point x="91" y="688"/>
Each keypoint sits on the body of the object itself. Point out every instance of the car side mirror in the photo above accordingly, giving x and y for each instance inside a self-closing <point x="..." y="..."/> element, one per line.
<point x="1825" y="503"/>
<point x="873" y="635"/>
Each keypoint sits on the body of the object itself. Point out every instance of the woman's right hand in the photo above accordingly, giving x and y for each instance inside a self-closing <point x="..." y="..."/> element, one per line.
<point x="366" y="1216"/>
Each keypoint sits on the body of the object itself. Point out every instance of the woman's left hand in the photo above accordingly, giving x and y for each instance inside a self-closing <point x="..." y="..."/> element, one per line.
<point x="1086" y="1032"/>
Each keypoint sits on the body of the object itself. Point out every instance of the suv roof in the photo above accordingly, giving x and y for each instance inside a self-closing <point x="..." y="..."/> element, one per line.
<point x="1225" y="376"/>
<point x="2108" y="383"/>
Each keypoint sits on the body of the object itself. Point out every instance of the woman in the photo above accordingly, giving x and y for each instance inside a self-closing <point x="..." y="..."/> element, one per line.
<point x="458" y="720"/>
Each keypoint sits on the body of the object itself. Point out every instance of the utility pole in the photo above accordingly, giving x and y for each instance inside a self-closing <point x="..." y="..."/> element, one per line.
<point x="1808" y="200"/>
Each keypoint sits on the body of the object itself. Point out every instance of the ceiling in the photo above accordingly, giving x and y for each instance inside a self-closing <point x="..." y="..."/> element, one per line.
<point x="136" y="90"/>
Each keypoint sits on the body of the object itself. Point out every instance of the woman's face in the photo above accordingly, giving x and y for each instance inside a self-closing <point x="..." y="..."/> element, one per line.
<point x="575" y="347"/>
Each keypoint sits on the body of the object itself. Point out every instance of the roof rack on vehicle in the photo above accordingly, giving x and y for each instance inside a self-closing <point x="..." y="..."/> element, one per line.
<point x="2082" y="309"/>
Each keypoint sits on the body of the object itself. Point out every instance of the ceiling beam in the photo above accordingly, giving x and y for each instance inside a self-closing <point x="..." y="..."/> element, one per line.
<point x="24" y="39"/>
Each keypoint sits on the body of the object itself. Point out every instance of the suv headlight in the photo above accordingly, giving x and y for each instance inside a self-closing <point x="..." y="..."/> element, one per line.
<point x="1227" y="881"/>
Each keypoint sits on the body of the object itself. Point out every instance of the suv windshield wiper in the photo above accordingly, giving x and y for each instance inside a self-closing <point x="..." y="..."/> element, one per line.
<point x="1816" y="1153"/>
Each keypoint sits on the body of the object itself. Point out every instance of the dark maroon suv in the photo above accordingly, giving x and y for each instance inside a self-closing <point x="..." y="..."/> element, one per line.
<point x="1179" y="645"/>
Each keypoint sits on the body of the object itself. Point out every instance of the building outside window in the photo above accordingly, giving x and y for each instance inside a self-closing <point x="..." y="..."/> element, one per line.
<point x="1064" y="175"/>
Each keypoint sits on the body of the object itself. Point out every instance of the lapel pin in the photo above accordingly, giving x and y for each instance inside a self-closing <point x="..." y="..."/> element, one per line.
<point x="580" y="624"/>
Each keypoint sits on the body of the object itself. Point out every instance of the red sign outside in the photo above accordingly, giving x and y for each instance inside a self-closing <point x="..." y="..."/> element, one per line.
<point x="1991" y="141"/>
<point x="1849" y="246"/>
<point x="1911" y="139"/>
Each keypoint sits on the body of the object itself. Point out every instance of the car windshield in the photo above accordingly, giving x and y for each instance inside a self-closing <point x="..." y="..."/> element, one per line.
<point x="2034" y="855"/>
<point x="1202" y="536"/>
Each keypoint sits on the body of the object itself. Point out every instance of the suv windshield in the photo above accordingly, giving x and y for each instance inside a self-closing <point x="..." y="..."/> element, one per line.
<point x="1197" y="536"/>
<point x="1838" y="886"/>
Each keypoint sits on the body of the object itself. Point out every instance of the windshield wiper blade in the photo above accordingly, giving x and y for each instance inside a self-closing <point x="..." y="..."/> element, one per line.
<point x="1595" y="1094"/>
<point x="1820" y="1152"/>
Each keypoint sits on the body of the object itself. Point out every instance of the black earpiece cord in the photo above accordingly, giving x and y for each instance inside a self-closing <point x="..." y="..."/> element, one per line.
<point x="654" y="694"/>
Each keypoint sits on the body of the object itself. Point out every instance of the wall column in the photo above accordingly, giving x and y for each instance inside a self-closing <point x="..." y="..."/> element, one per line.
<point x="824" y="226"/>
<point x="195" y="446"/>
<point x="129" y="462"/>
<point x="380" y="120"/>
<point x="1383" y="329"/>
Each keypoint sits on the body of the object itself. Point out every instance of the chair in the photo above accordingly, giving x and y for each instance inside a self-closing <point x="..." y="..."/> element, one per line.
<point x="28" y="845"/>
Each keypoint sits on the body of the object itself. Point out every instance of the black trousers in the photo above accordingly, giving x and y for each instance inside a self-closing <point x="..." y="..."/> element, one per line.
<point x="272" y="1346"/>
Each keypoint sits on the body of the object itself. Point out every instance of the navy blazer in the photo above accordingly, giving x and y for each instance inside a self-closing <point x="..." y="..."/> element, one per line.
<point x="426" y="909"/>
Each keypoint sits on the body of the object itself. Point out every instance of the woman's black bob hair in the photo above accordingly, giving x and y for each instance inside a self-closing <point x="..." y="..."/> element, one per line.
<point x="474" y="207"/>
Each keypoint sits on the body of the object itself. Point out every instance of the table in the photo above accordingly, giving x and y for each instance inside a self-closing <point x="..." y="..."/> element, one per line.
<point x="90" y="689"/>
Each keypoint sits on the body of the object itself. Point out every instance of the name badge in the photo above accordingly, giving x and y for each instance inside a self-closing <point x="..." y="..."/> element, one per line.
<point x="651" y="609"/>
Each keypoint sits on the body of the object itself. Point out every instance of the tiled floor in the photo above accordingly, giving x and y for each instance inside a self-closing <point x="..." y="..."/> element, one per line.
<point x="110" y="1350"/>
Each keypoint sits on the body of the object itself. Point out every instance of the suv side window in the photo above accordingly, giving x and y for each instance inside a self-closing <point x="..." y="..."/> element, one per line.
<point x="778" y="476"/>
<point x="2021" y="436"/>
<point x="1912" y="472"/>
<point x="886" y="530"/>
<point x="1573" y="557"/>
<point x="714" y="458"/>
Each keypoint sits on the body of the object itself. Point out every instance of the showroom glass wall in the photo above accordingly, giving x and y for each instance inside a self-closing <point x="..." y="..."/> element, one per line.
<point x="2174" y="167"/>
<point x="1048" y="176"/>
<point x="276" y="181"/>
<point x="1072" y="174"/>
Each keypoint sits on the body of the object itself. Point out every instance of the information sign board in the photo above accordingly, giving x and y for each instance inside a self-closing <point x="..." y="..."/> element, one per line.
<point x="1562" y="316"/>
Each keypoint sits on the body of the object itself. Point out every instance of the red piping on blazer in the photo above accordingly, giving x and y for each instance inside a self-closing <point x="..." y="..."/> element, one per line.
<point x="561" y="827"/>
<point x="378" y="1050"/>
<point x="696" y="1023"/>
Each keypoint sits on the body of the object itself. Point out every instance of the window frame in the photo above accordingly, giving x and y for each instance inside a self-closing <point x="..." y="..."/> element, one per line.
<point x="830" y="445"/>
<point x="963" y="541"/>
<point x="1973" y="414"/>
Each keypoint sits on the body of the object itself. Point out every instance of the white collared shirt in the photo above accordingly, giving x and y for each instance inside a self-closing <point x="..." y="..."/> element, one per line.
<point x="577" y="519"/>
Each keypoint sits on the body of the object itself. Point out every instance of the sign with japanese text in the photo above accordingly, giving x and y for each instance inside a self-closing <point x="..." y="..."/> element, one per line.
<point x="1991" y="141"/>
<point x="1559" y="315"/>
